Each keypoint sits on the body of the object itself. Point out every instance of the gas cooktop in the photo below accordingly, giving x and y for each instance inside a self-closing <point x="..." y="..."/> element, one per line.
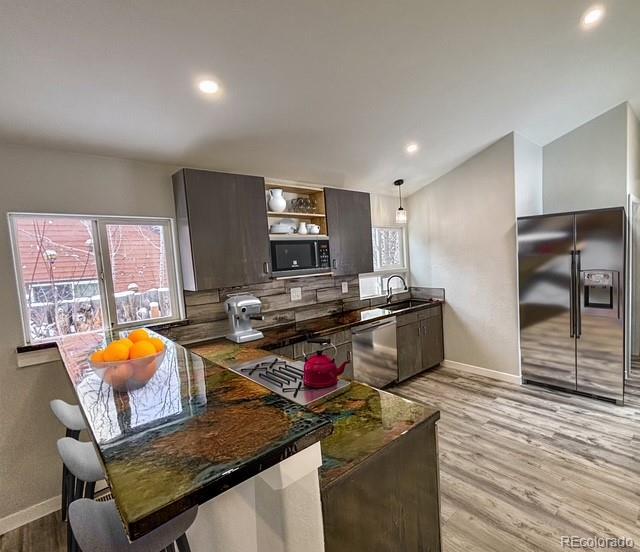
<point x="284" y="377"/>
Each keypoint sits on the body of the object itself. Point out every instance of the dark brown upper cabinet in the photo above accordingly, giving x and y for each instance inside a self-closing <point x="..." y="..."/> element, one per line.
<point x="222" y="229"/>
<point x="349" y="223"/>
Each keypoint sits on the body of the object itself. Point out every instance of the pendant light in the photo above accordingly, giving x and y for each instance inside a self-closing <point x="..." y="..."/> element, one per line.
<point x="401" y="214"/>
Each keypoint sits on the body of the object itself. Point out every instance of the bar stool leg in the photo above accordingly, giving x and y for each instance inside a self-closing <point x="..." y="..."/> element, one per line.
<point x="183" y="544"/>
<point x="67" y="480"/>
<point x="73" y="434"/>
<point x="65" y="492"/>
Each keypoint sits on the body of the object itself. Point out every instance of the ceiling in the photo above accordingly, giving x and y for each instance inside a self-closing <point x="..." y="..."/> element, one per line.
<point x="322" y="91"/>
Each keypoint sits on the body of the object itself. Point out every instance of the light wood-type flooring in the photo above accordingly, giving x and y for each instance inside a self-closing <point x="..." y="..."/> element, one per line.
<point x="520" y="466"/>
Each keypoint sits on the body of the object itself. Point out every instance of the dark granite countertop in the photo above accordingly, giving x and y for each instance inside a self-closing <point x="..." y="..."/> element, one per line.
<point x="288" y="334"/>
<point x="193" y="431"/>
<point x="365" y="419"/>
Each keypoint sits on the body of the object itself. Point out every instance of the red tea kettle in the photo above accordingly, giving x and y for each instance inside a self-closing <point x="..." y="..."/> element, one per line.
<point x="320" y="370"/>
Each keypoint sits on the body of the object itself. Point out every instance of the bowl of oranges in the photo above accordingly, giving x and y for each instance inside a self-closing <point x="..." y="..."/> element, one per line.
<point x="130" y="362"/>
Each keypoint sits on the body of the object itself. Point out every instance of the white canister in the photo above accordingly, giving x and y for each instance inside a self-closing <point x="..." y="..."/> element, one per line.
<point x="277" y="202"/>
<point x="302" y="228"/>
<point x="313" y="228"/>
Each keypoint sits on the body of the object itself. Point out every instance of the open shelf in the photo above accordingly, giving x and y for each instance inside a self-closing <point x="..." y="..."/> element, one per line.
<point x="295" y="214"/>
<point x="297" y="236"/>
<point x="294" y="188"/>
<point x="292" y="192"/>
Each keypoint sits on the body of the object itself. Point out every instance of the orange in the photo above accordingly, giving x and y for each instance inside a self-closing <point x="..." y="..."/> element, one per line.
<point x="119" y="375"/>
<point x="98" y="356"/>
<point x="126" y="341"/>
<point x="142" y="349"/>
<point x="157" y="343"/>
<point x="116" y="351"/>
<point x="138" y="335"/>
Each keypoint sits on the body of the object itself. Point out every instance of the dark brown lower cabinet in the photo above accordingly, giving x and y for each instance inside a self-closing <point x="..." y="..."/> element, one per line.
<point x="432" y="343"/>
<point x="420" y="341"/>
<point x="410" y="347"/>
<point x="388" y="503"/>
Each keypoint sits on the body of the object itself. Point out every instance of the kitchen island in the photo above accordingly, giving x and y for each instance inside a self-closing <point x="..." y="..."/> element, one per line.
<point x="198" y="434"/>
<point x="379" y="478"/>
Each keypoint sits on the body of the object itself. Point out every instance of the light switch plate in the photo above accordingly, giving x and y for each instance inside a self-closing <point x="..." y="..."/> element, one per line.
<point x="345" y="287"/>
<point x="296" y="294"/>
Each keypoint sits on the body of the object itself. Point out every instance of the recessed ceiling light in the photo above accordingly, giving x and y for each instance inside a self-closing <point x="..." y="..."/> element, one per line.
<point x="592" y="16"/>
<point x="208" y="86"/>
<point x="412" y="148"/>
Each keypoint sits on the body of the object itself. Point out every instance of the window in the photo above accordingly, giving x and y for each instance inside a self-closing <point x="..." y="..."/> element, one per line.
<point x="388" y="249"/>
<point x="78" y="274"/>
<point x="389" y="257"/>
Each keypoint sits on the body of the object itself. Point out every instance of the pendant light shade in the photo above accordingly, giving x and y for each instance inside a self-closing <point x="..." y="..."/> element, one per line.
<point x="401" y="214"/>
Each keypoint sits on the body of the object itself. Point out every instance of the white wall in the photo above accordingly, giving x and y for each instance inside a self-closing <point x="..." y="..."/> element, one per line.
<point x="528" y="176"/>
<point x="587" y="168"/>
<point x="383" y="209"/>
<point x="462" y="237"/>
<point x="37" y="180"/>
<point x="633" y="153"/>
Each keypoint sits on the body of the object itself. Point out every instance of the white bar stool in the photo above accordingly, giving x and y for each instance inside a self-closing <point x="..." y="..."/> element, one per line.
<point x="70" y="417"/>
<point x="97" y="528"/>
<point x="84" y="467"/>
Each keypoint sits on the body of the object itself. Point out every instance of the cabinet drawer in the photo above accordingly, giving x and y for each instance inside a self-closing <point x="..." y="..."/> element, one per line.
<point x="404" y="319"/>
<point x="429" y="312"/>
<point x="342" y="337"/>
<point x="286" y="351"/>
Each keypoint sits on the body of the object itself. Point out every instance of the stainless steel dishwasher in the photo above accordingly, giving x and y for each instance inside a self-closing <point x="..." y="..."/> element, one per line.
<point x="375" y="352"/>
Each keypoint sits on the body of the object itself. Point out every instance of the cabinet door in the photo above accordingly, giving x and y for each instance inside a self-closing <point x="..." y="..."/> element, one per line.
<point x="349" y="224"/>
<point x="432" y="343"/>
<point x="409" y="350"/>
<point x="222" y="226"/>
<point x="344" y="355"/>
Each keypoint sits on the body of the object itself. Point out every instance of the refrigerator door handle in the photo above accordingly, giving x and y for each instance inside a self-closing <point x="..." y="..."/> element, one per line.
<point x="572" y="296"/>
<point x="577" y="302"/>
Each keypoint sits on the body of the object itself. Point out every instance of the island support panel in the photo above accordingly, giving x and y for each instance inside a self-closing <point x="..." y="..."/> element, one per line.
<point x="276" y="511"/>
<point x="389" y="502"/>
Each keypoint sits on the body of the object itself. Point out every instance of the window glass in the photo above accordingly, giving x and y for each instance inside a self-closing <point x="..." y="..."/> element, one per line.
<point x="388" y="259"/>
<point x="79" y="274"/>
<point x="137" y="256"/>
<point x="55" y="256"/>
<point x="388" y="248"/>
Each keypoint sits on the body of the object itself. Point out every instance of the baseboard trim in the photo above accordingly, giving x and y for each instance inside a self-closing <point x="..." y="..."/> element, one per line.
<point x="479" y="371"/>
<point x="18" y="519"/>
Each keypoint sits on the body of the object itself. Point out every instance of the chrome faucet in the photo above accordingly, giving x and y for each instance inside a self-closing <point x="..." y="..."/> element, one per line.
<point x="389" y="290"/>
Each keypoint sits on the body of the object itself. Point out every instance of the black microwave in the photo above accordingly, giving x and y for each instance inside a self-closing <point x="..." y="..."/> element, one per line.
<point x="299" y="256"/>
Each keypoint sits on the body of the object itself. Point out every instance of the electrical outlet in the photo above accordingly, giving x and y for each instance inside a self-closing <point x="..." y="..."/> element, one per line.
<point x="296" y="294"/>
<point x="345" y="287"/>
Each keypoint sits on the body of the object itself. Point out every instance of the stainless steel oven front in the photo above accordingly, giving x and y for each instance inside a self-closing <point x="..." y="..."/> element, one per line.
<point x="299" y="256"/>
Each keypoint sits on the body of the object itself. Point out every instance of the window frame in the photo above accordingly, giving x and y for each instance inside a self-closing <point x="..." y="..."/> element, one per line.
<point x="103" y="267"/>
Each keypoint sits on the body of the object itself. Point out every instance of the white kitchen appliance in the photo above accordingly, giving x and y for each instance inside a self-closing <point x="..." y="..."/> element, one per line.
<point x="242" y="309"/>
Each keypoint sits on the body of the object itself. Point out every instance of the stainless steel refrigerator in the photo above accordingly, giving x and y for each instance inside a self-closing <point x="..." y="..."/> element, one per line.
<point x="572" y="300"/>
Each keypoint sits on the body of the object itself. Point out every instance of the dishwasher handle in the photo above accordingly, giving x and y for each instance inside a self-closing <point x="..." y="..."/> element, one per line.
<point x="374" y="325"/>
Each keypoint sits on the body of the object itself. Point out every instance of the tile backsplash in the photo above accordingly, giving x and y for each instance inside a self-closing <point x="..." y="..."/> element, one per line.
<point x="320" y="296"/>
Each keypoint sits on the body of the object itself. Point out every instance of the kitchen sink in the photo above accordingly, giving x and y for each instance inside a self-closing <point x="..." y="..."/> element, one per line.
<point x="375" y="313"/>
<point x="394" y="307"/>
